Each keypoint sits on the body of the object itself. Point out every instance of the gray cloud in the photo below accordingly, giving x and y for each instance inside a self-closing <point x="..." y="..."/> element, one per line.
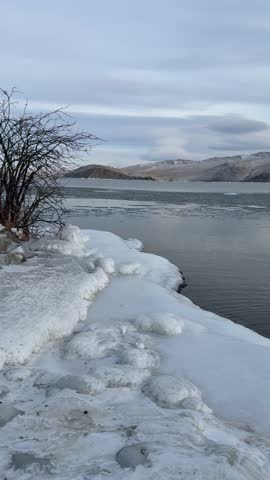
<point x="156" y="79"/>
<point x="234" y="124"/>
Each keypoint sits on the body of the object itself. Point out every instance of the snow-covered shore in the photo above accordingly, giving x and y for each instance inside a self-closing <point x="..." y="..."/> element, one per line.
<point x="100" y="353"/>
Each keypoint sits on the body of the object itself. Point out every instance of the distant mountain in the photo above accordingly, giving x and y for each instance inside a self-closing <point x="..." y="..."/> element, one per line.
<point x="101" y="171"/>
<point x="239" y="168"/>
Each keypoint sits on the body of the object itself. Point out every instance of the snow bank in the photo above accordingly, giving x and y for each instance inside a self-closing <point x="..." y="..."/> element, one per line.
<point x="227" y="362"/>
<point x="143" y="385"/>
<point x="128" y="260"/>
<point x="46" y="301"/>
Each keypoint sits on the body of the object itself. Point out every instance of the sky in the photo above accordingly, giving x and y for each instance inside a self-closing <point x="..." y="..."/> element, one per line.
<point x="154" y="79"/>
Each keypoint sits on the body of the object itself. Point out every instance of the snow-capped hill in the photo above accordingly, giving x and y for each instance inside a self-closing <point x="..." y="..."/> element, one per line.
<point x="174" y="162"/>
<point x="240" y="168"/>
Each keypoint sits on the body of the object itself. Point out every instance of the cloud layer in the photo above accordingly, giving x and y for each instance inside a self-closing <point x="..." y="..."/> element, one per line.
<point x="157" y="79"/>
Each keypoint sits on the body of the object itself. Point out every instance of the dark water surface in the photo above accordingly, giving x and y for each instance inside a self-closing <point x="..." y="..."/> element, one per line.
<point x="220" y="241"/>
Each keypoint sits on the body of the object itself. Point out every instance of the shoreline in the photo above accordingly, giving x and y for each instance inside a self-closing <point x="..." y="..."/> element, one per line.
<point x="166" y="186"/>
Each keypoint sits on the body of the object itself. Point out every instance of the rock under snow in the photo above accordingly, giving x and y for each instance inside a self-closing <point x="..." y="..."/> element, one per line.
<point x="132" y="456"/>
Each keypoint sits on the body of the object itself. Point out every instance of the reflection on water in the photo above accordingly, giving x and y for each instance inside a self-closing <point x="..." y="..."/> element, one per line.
<point x="221" y="242"/>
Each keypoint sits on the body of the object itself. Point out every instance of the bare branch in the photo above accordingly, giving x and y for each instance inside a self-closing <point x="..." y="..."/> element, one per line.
<point x="35" y="149"/>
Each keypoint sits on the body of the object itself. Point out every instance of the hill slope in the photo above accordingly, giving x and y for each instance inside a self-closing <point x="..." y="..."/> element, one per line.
<point x="239" y="168"/>
<point x="101" y="171"/>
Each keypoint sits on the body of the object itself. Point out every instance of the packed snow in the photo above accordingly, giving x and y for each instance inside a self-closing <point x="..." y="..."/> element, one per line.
<point x="109" y="373"/>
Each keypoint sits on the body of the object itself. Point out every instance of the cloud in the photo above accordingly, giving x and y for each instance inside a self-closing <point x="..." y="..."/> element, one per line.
<point x="235" y="124"/>
<point x="154" y="82"/>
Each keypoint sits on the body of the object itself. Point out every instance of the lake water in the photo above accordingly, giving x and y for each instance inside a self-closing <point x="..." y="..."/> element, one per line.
<point x="218" y="234"/>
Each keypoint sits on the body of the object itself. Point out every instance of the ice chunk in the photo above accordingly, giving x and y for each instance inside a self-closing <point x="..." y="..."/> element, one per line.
<point x="168" y="392"/>
<point x="162" y="323"/>
<point x="7" y="413"/>
<point x="135" y="244"/>
<point x="73" y="234"/>
<point x="132" y="456"/>
<point x="140" y="357"/>
<point x="22" y="460"/>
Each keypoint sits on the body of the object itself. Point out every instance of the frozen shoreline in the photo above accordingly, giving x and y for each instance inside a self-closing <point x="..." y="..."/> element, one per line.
<point x="148" y="366"/>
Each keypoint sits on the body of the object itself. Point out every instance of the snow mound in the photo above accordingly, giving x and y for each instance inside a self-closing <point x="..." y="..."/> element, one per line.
<point x="116" y="376"/>
<point x="140" y="357"/>
<point x="135" y="244"/>
<point x="73" y="234"/>
<point x="192" y="403"/>
<point x="131" y="269"/>
<point x="81" y="384"/>
<point x="70" y="241"/>
<point x="17" y="373"/>
<point x="62" y="247"/>
<point x="90" y="345"/>
<point x="107" y="264"/>
<point x="129" y="261"/>
<point x="162" y="323"/>
<point x="169" y="392"/>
